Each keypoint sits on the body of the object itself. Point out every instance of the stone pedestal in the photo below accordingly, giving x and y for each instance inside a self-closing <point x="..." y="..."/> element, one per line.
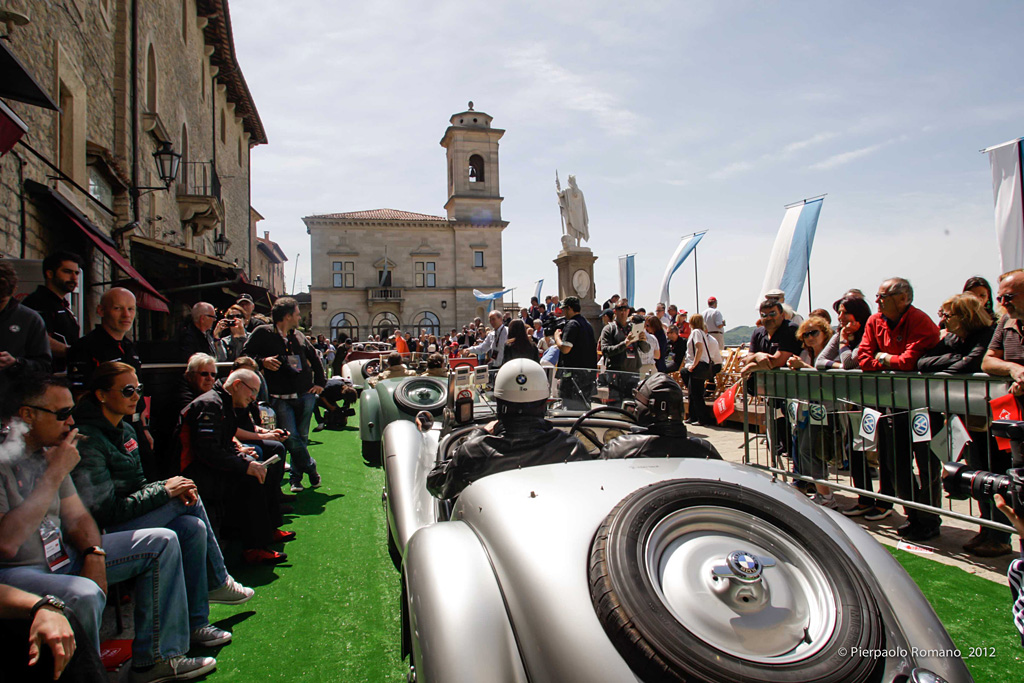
<point x="571" y="260"/>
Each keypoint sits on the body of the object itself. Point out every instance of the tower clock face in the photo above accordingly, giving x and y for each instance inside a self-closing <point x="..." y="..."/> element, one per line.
<point x="581" y="282"/>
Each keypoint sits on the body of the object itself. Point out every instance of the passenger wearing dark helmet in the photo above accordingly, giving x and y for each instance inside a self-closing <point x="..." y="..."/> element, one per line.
<point x="662" y="434"/>
<point x="520" y="437"/>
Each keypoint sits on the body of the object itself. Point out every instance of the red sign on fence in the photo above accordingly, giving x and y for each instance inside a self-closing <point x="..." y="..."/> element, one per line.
<point x="725" y="405"/>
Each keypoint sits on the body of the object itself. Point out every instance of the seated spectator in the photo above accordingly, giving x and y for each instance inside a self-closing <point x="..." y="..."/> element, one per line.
<point x="675" y="358"/>
<point x="814" y="443"/>
<point x="894" y="339"/>
<point x="224" y="476"/>
<point x="519" y="344"/>
<point x="200" y="374"/>
<point x="395" y="368"/>
<point x="116" y="493"/>
<point x="660" y="414"/>
<point x="435" y="366"/>
<point x="50" y="545"/>
<point x="520" y="437"/>
<point x="41" y="640"/>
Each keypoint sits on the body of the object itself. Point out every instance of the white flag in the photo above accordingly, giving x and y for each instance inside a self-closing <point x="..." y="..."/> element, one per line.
<point x="950" y="440"/>
<point x="818" y="414"/>
<point x="869" y="425"/>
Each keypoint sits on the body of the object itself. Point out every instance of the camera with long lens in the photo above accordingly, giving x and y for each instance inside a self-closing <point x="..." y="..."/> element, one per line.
<point x="553" y="324"/>
<point x="961" y="482"/>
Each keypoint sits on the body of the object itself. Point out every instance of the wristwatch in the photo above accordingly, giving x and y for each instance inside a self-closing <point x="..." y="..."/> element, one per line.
<point x="48" y="601"/>
<point x="94" y="550"/>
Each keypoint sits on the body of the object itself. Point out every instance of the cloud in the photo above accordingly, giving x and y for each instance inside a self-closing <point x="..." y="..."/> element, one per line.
<point x="787" y="151"/>
<point x="794" y="147"/>
<point x="554" y="86"/>
<point x="732" y="169"/>
<point x="846" y="157"/>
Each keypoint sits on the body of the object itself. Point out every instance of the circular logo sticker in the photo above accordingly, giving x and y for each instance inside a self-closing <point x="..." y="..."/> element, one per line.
<point x="869" y="424"/>
<point x="520" y="379"/>
<point x="817" y="412"/>
<point x="14" y="328"/>
<point x="920" y="425"/>
<point x="744" y="564"/>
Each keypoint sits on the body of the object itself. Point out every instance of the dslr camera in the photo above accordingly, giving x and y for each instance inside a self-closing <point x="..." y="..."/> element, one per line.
<point x="962" y="483"/>
<point x="553" y="324"/>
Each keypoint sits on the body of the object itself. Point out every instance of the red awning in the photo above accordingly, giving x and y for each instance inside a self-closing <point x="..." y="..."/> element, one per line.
<point x="11" y="129"/>
<point x="146" y="295"/>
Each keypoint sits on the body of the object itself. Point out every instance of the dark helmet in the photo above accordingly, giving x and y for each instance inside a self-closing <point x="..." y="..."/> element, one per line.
<point x="658" y="398"/>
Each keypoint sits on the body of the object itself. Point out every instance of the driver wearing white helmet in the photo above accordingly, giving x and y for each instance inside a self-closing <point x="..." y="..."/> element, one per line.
<point x="520" y="437"/>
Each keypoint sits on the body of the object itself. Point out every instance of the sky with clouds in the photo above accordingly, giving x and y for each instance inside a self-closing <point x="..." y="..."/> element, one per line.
<point x="675" y="117"/>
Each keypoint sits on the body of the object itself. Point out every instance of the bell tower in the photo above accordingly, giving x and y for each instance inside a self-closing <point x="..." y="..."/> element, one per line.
<point x="472" y="156"/>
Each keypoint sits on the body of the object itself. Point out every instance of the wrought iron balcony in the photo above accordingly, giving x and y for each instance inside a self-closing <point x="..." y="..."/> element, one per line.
<point x="198" y="179"/>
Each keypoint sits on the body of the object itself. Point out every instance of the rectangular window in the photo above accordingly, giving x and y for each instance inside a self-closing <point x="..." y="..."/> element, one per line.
<point x="344" y="273"/>
<point x="426" y="274"/>
<point x="478" y="259"/>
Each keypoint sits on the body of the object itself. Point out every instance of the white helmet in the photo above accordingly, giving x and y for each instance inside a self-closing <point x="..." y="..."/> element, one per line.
<point x="521" y="381"/>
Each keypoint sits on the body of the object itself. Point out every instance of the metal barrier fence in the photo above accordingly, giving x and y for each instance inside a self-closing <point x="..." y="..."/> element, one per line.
<point x="825" y="427"/>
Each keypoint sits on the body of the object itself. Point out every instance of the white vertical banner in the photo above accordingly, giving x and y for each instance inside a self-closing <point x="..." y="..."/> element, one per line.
<point x="791" y="253"/>
<point x="1005" y="160"/>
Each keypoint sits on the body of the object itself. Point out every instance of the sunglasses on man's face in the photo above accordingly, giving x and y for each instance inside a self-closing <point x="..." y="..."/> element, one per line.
<point x="129" y="390"/>
<point x="769" y="314"/>
<point x="1005" y="298"/>
<point x="206" y="373"/>
<point x="62" y="415"/>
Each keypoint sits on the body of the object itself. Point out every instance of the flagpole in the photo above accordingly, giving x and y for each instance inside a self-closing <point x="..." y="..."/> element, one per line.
<point x="804" y="201"/>
<point x="696" y="281"/>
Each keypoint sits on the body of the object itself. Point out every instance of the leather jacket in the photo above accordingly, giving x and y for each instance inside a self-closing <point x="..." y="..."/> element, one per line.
<point x="517" y="442"/>
<point x="660" y="440"/>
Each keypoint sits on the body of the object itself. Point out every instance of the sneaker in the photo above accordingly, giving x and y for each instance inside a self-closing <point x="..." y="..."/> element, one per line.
<point x="314" y="481"/>
<point x="261" y="556"/>
<point x="992" y="549"/>
<point x="282" y="536"/>
<point x="858" y="510"/>
<point x="877" y="514"/>
<point x="209" y="636"/>
<point x="287" y="467"/>
<point x="920" y="534"/>
<point x="173" y="669"/>
<point x="297" y="487"/>
<point x="231" y="593"/>
<point x="320" y="427"/>
<point x="828" y="501"/>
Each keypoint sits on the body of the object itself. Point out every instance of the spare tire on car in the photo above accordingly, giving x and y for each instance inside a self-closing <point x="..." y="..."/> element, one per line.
<point x="422" y="393"/>
<point x="697" y="580"/>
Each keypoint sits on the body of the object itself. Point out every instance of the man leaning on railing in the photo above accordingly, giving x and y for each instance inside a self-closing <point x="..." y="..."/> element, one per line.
<point x="1005" y="356"/>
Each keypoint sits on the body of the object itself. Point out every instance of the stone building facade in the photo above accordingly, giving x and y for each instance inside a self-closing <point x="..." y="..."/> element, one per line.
<point x="268" y="260"/>
<point x="375" y="271"/>
<point x="131" y="78"/>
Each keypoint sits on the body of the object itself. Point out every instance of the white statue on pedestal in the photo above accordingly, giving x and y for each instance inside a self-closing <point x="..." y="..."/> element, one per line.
<point x="573" y="208"/>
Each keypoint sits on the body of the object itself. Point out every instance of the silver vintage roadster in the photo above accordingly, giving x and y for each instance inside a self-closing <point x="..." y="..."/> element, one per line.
<point x="639" y="569"/>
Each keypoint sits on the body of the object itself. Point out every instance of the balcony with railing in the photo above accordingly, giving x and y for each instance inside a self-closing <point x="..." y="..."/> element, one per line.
<point x="198" y="193"/>
<point x="383" y="294"/>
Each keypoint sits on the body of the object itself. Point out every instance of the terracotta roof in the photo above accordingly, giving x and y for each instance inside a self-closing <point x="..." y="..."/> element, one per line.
<point x="383" y="215"/>
<point x="218" y="34"/>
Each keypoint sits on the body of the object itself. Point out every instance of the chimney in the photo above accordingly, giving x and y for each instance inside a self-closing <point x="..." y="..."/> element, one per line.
<point x="266" y="235"/>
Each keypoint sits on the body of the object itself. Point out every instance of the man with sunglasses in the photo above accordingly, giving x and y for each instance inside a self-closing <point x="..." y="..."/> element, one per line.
<point x="230" y="482"/>
<point x="196" y="336"/>
<point x="894" y="339"/>
<point x="1005" y="355"/>
<point x="50" y="544"/>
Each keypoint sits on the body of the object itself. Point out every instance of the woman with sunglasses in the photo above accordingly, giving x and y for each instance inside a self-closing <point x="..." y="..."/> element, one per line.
<point x="814" y="443"/>
<point x="110" y="480"/>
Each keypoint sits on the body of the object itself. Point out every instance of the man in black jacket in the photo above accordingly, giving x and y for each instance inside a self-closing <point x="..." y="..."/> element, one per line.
<point x="196" y="337"/>
<point x="60" y="272"/>
<point x="578" y="349"/>
<point x="620" y="347"/>
<point x="23" y="344"/>
<point x="228" y="480"/>
<point x="295" y="377"/>
<point x="662" y="434"/>
<point x="521" y="437"/>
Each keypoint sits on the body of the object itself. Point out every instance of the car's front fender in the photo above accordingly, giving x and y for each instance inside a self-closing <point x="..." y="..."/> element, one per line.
<point x="458" y="625"/>
<point x="369" y="415"/>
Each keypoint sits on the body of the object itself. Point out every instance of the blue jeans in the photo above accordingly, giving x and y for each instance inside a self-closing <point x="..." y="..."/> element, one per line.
<point x="199" y="551"/>
<point x="154" y="558"/>
<point x="293" y="415"/>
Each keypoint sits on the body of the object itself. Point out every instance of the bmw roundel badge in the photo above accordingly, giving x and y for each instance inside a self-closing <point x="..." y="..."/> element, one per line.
<point x="520" y="379"/>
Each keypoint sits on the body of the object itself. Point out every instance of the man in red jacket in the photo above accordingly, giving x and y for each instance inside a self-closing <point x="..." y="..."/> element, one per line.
<point x="894" y="338"/>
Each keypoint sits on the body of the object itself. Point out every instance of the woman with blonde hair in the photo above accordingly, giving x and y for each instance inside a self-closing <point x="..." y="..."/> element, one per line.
<point x="702" y="353"/>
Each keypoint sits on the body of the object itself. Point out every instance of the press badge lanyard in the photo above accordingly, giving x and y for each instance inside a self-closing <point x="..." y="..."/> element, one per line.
<point x="49" y="534"/>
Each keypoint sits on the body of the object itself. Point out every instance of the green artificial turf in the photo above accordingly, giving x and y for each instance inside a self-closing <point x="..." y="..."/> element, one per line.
<point x="975" y="612"/>
<point x="331" y="612"/>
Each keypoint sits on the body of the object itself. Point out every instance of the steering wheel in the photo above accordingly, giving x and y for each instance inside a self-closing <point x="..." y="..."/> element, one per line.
<point x="593" y="411"/>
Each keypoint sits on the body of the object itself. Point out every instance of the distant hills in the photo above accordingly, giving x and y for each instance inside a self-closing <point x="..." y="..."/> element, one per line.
<point x="738" y="335"/>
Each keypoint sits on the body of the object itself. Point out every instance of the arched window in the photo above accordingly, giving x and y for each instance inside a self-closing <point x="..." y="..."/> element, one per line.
<point x="384" y="324"/>
<point x="429" y="323"/>
<point x="184" y="20"/>
<point x="151" y="80"/>
<point x="223" y="128"/>
<point x="184" y="143"/>
<point x="476" y="169"/>
<point x="344" y="324"/>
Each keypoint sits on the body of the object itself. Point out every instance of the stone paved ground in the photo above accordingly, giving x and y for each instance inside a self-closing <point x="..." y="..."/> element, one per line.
<point x="729" y="442"/>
